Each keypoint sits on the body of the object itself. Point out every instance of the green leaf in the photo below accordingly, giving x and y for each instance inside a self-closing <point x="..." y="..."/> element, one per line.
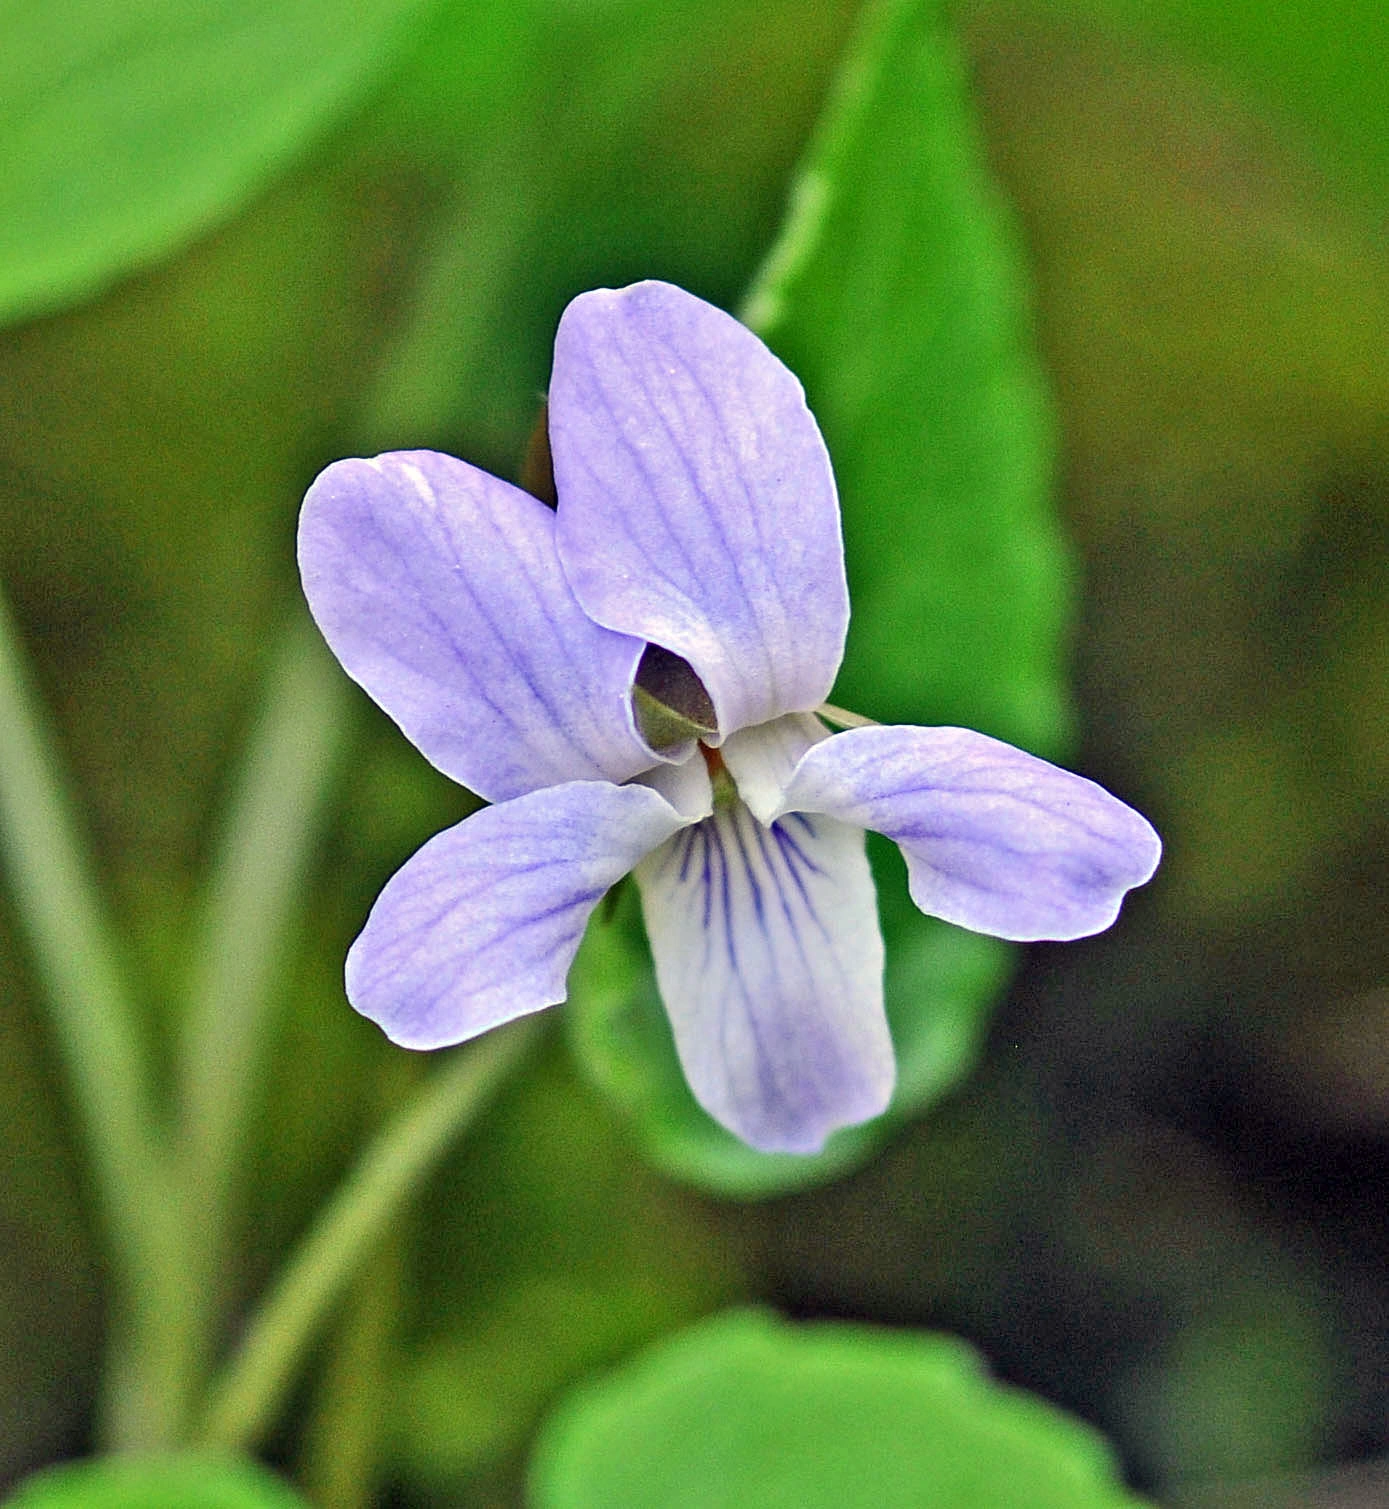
<point x="183" y="1481"/>
<point x="896" y="294"/>
<point x="130" y="128"/>
<point x="747" y="1409"/>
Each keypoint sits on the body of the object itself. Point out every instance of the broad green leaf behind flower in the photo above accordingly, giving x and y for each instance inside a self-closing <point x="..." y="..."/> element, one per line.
<point x="897" y="296"/>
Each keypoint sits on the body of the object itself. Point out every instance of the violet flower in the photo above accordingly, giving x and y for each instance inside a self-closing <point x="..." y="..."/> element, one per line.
<point x="632" y="680"/>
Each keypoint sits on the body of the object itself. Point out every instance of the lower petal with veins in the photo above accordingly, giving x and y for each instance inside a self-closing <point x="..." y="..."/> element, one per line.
<point x="769" y="960"/>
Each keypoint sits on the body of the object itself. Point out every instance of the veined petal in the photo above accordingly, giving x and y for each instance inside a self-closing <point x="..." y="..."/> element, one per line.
<point x="482" y="924"/>
<point x="439" y="589"/>
<point x="769" y="960"/>
<point x="995" y="839"/>
<point x="697" y="507"/>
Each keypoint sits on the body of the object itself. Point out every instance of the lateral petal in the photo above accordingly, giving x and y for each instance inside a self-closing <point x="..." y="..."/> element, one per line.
<point x="697" y="508"/>
<point x="686" y="787"/>
<point x="439" y="589"/>
<point x="769" y="960"/>
<point x="482" y="924"/>
<point x="995" y="839"/>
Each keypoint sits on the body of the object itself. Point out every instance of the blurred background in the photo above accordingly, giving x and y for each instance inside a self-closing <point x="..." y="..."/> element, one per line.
<point x="1159" y="1198"/>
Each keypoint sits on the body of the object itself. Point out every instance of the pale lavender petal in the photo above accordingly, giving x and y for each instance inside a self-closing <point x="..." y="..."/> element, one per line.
<point x="685" y="786"/>
<point x="769" y="960"/>
<point x="482" y="924"/>
<point x="439" y="589"/>
<point x="697" y="508"/>
<point x="995" y="840"/>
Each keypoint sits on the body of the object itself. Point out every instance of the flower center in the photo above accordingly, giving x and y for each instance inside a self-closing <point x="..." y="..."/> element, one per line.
<point x="720" y="777"/>
<point x="669" y="701"/>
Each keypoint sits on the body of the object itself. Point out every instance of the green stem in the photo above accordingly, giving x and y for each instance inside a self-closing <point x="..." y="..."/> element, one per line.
<point x="245" y="1398"/>
<point x="101" y="1047"/>
<point x="343" y="1435"/>
<point x="252" y="898"/>
<point x="343" y="1439"/>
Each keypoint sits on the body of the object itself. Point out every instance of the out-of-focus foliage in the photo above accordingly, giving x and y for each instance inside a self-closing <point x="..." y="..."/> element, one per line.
<point x="749" y="1410"/>
<point x="564" y="1252"/>
<point x="598" y="145"/>
<point x="1217" y="341"/>
<point x="130" y="128"/>
<point x="184" y="1481"/>
<point x="1267" y="1364"/>
<point x="1304" y="63"/>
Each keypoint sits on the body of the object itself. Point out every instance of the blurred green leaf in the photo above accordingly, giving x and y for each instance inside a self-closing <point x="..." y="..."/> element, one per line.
<point x="50" y="1313"/>
<point x="746" y="1409"/>
<point x="1217" y="313"/>
<point x="183" y="1481"/>
<point x="896" y="294"/>
<point x="1246" y="1387"/>
<point x="130" y="128"/>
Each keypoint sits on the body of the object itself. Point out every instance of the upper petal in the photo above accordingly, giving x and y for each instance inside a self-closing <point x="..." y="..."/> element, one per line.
<point x="697" y="508"/>
<point x="995" y="840"/>
<point x="770" y="962"/>
<point x="440" y="591"/>
<point x="482" y="924"/>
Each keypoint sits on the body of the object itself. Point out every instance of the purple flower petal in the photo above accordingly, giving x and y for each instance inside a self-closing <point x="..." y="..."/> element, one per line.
<point x="482" y="924"/>
<point x="995" y="840"/>
<point x="439" y="589"/>
<point x="697" y="508"/>
<point x="770" y="962"/>
<point x="685" y="786"/>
